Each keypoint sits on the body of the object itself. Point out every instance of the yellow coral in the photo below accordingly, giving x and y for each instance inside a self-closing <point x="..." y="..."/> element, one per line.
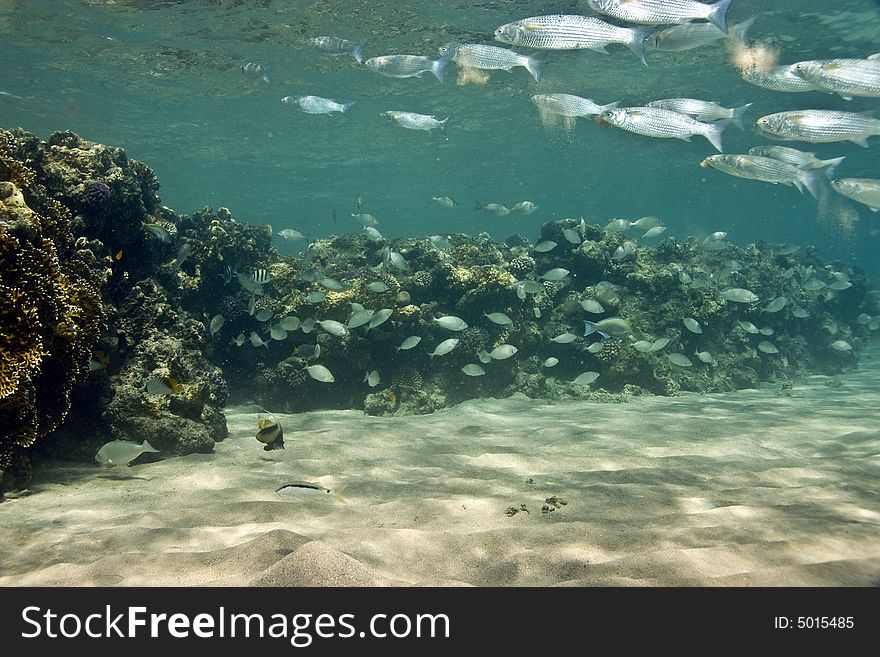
<point x="411" y="310"/>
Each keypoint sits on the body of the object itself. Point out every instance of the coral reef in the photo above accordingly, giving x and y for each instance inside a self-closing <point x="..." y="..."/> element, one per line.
<point x="86" y="300"/>
<point x="102" y="288"/>
<point x="51" y="314"/>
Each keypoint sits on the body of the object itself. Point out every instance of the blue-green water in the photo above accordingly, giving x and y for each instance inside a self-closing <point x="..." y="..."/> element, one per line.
<point x="163" y="80"/>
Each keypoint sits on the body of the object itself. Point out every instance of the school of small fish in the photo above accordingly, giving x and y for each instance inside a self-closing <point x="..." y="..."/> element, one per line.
<point x="641" y="26"/>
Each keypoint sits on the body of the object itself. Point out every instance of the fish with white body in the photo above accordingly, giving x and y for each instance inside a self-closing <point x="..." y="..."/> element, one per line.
<point x="409" y="342"/>
<point x="258" y="70"/>
<point x="703" y="110"/>
<point x="444" y="347"/>
<point x="217" y="322"/>
<point x="844" y="77"/>
<point x="524" y="207"/>
<point x="585" y="378"/>
<point x="407" y="66"/>
<point x="336" y="46"/>
<point x="502" y="352"/>
<point x="333" y="327"/>
<point x="767" y="169"/>
<point x="680" y="360"/>
<point x="415" y="121"/>
<point x="318" y="105"/>
<point x="491" y="58"/>
<point x="451" y="322"/>
<point x="122" y="452"/>
<point x="291" y="234"/>
<point x="687" y="36"/>
<point x="498" y="318"/>
<point x="616" y="327"/>
<point x="663" y="12"/>
<point x="320" y="373"/>
<point x="371" y="378"/>
<point x="798" y="158"/>
<point x="445" y="201"/>
<point x="497" y="209"/>
<point x="739" y="295"/>
<point x="571" y="32"/>
<point x="861" y="190"/>
<point x="380" y="317"/>
<point x="305" y="491"/>
<point x="570" y="105"/>
<point x="776" y="78"/>
<point x="819" y="126"/>
<point x="664" y="124"/>
<point x="365" y="219"/>
<point x="472" y="369"/>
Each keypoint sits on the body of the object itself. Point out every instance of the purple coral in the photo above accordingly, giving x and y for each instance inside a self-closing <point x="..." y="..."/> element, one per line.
<point x="95" y="196"/>
<point x="222" y="388"/>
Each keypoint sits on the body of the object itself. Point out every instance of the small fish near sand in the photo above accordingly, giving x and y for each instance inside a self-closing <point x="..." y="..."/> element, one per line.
<point x="122" y="452"/>
<point x="304" y="490"/>
<point x="270" y="433"/>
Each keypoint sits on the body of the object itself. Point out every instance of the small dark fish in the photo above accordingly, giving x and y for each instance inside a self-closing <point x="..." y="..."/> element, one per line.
<point x="333" y="215"/>
<point x="226" y="275"/>
<point x="270" y="433"/>
<point x="305" y="489"/>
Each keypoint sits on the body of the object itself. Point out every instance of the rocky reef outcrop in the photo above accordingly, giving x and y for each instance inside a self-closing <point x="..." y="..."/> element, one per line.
<point x="79" y="336"/>
<point x="121" y="318"/>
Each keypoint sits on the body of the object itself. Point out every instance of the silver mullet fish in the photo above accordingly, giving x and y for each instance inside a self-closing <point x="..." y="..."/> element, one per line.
<point x="664" y="124"/>
<point x="766" y="169"/>
<point x="663" y="12"/>
<point x="337" y="46"/>
<point x="569" y="105"/>
<point x="407" y="66"/>
<point x="703" y="110"/>
<point x="571" y="32"/>
<point x="491" y="58"/>
<point x="845" y="77"/>
<point x="819" y="126"/>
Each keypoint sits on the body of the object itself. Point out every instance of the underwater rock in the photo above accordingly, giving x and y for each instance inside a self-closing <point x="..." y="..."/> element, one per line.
<point x="51" y="312"/>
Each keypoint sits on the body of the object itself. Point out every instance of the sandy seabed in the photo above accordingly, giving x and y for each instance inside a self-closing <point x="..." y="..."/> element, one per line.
<point x="757" y="487"/>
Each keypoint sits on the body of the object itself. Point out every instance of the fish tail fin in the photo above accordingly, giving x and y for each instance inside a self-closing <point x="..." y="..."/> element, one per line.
<point x="812" y="178"/>
<point x="148" y="447"/>
<point x="534" y="65"/>
<point x="828" y="166"/>
<point x="637" y="44"/>
<point x="337" y="493"/>
<point x="346" y="108"/>
<point x="714" y="131"/>
<point x="589" y="327"/>
<point x="439" y="65"/>
<point x="358" y="51"/>
<point x="442" y="126"/>
<point x="718" y="14"/>
<point x="738" y="114"/>
<point x="739" y="33"/>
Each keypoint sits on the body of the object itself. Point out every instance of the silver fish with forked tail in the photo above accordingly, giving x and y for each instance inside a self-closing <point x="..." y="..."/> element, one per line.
<point x="572" y="32"/>
<point x="407" y="66"/>
<point x="665" y="124"/>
